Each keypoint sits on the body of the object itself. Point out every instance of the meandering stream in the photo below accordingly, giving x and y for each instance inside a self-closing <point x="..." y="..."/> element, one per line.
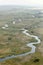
<point x="24" y="31"/>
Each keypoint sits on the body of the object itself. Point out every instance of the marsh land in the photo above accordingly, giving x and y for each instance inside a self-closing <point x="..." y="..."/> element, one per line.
<point x="13" y="42"/>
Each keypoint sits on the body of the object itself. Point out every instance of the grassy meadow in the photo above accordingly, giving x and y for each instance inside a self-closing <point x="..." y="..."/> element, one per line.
<point x="13" y="41"/>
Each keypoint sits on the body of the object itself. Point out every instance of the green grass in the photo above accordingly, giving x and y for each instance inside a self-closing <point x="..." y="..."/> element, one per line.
<point x="12" y="41"/>
<point x="22" y="61"/>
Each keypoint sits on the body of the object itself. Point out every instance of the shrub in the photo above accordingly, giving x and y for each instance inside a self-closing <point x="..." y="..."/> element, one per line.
<point x="36" y="60"/>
